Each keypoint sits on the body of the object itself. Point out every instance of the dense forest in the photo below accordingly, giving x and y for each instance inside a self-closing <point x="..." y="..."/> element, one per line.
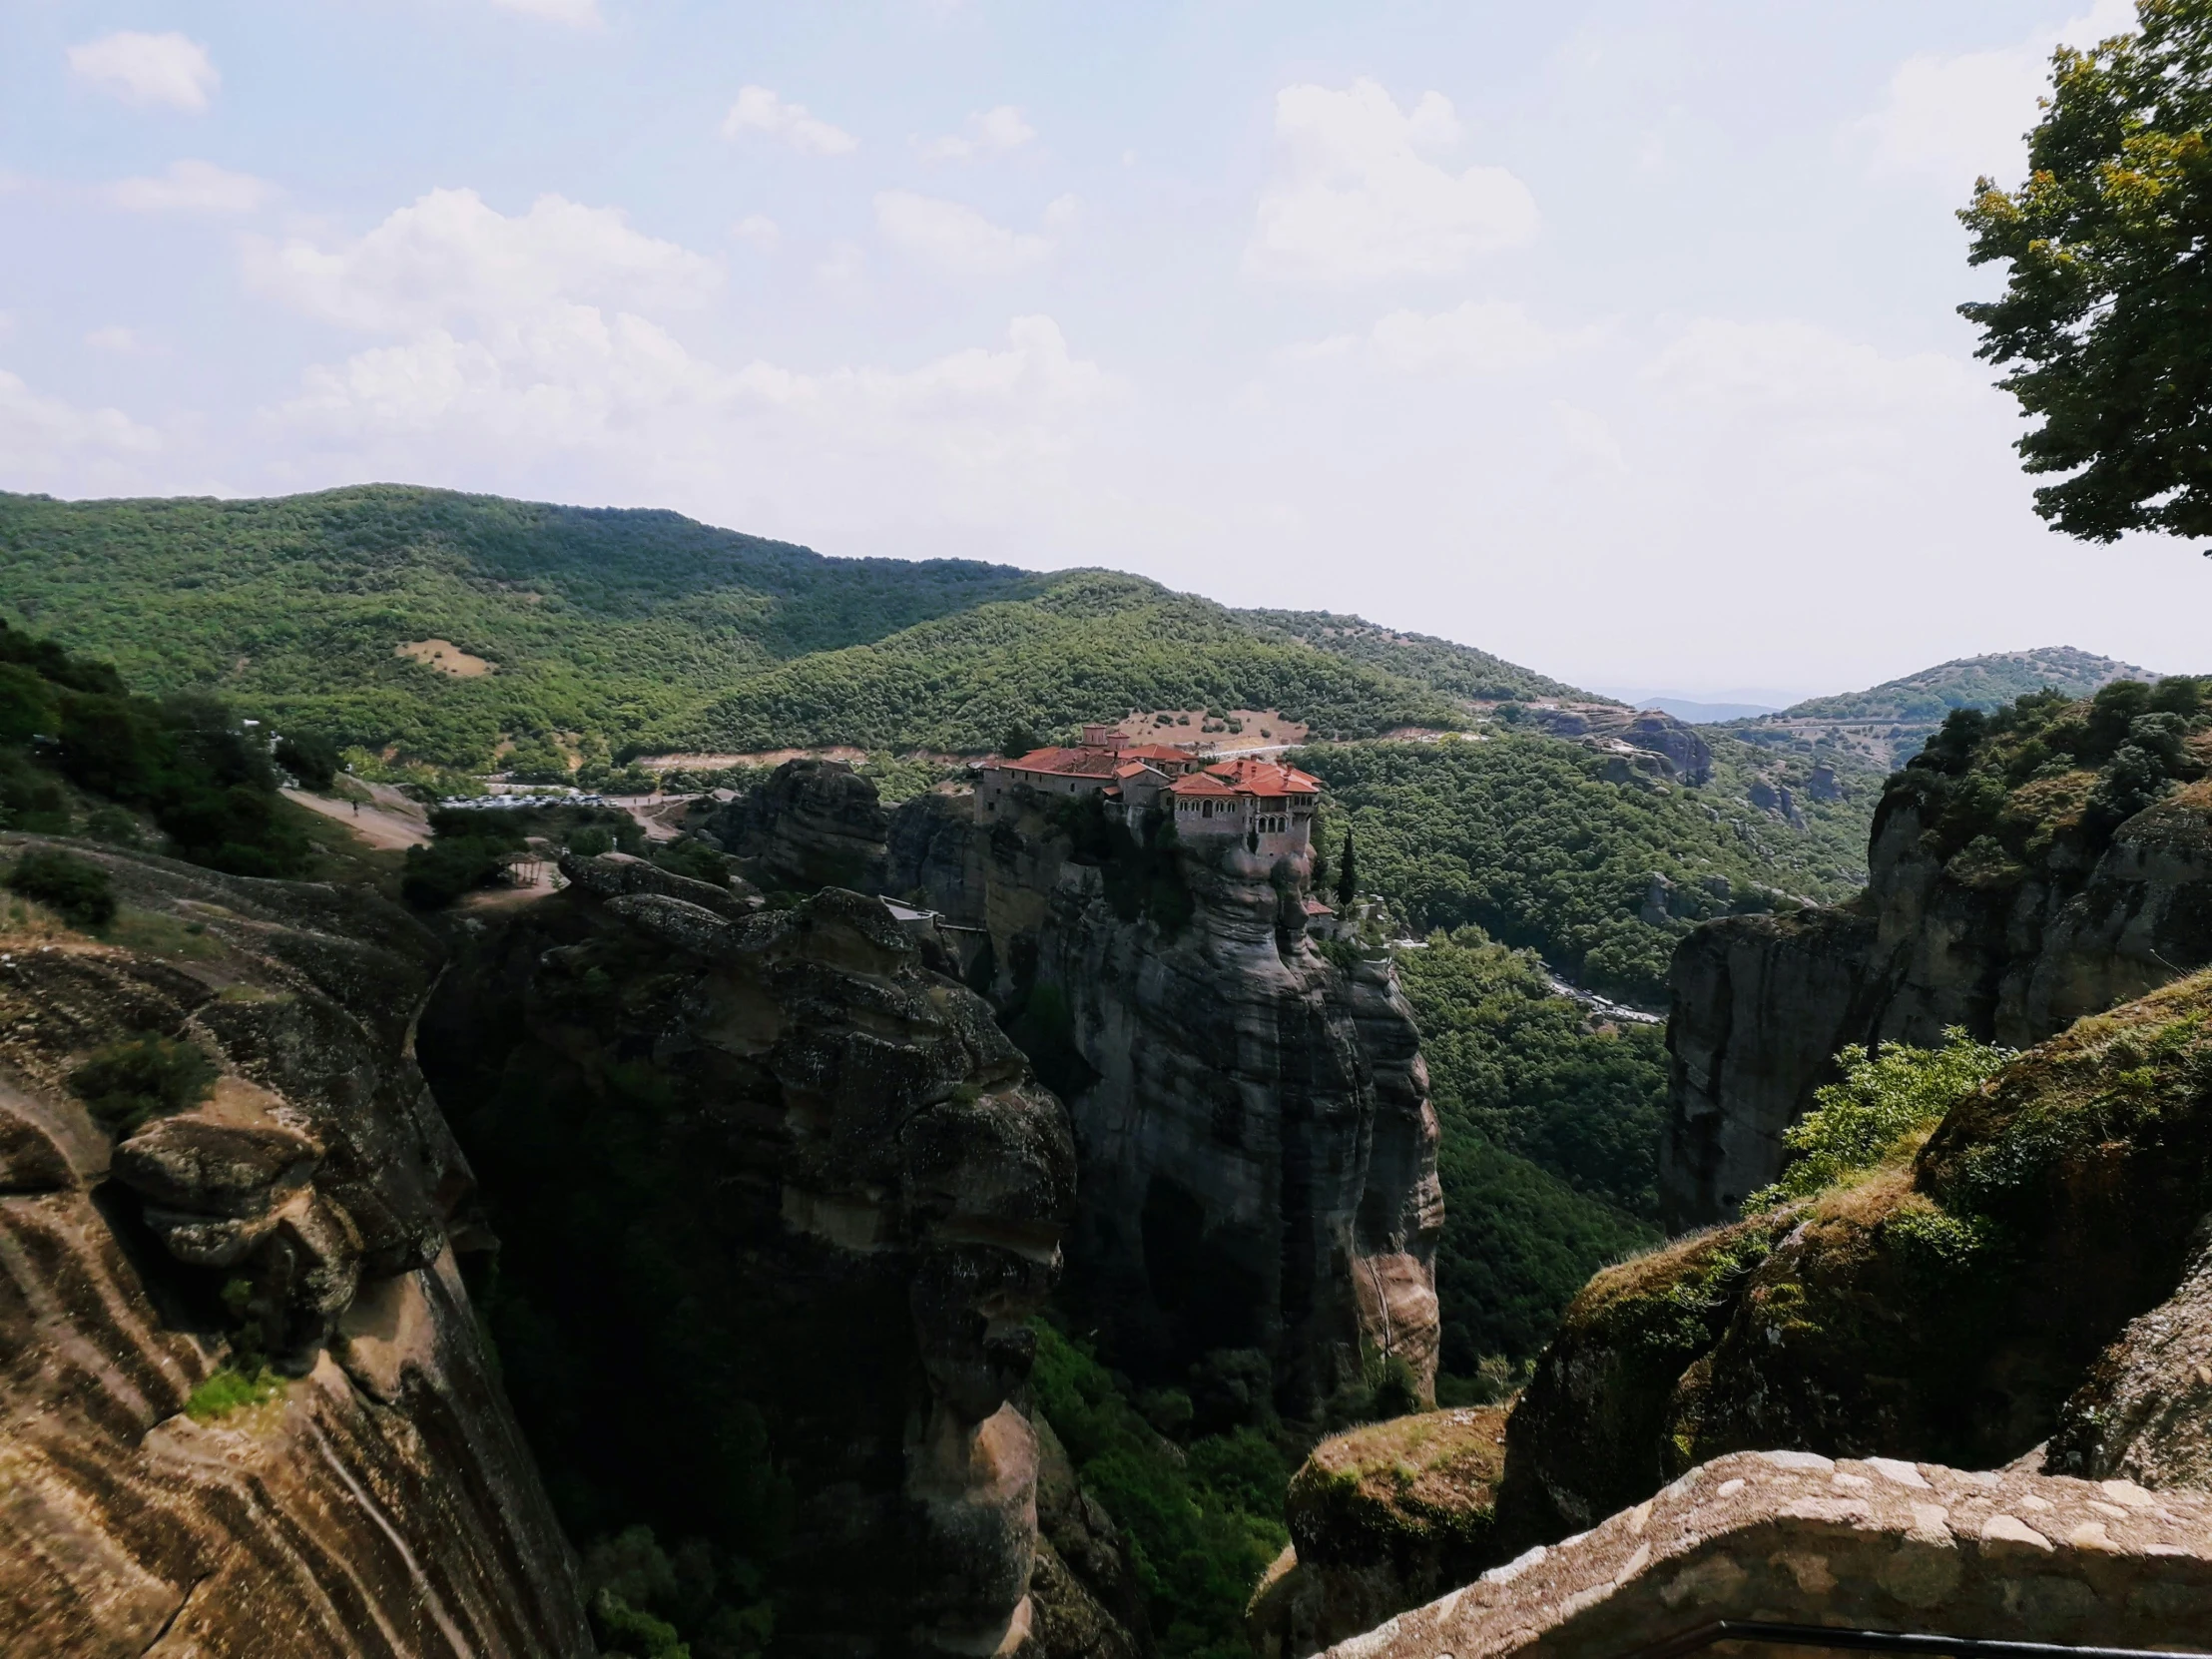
<point x="1524" y="837"/>
<point x="1551" y="1131"/>
<point x="645" y="629"/>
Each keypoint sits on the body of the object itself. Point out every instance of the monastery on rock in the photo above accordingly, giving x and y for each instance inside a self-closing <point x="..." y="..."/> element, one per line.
<point x="1269" y="806"/>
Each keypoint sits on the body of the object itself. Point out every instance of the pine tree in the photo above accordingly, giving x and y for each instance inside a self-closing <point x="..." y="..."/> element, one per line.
<point x="1348" y="876"/>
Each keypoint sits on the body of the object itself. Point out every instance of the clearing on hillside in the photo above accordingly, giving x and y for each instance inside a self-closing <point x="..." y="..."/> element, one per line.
<point x="444" y="655"/>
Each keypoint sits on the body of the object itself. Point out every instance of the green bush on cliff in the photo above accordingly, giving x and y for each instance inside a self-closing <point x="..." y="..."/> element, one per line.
<point x="77" y="888"/>
<point x="1883" y="1099"/>
<point x="230" y="1391"/>
<point x="1203" y="1521"/>
<point x="2001" y="793"/>
<point x="129" y="1083"/>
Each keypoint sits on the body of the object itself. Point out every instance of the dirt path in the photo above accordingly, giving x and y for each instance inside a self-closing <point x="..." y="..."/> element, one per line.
<point x="376" y="822"/>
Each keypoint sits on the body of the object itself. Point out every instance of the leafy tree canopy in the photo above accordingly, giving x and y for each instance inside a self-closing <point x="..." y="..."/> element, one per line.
<point x="2102" y="316"/>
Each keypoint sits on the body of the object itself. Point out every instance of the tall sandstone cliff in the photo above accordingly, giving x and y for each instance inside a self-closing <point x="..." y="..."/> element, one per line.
<point x="309" y="1208"/>
<point x="1258" y="1148"/>
<point x="776" y="1202"/>
<point x="2012" y="949"/>
<point x="1252" y="1120"/>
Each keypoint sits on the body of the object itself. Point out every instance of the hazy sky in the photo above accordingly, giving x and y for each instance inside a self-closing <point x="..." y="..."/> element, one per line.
<point x="1614" y="337"/>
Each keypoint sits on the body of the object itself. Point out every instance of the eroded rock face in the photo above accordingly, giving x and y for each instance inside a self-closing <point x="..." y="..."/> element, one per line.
<point x="776" y="1201"/>
<point x="1877" y="1544"/>
<point x="384" y="1503"/>
<point x="1257" y="1142"/>
<point x="2146" y="1411"/>
<point x="1680" y="753"/>
<point x="1762" y="1004"/>
<point x="812" y="823"/>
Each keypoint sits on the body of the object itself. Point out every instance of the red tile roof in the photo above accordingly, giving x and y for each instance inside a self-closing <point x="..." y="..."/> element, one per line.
<point x="1068" y="763"/>
<point x="1264" y="777"/>
<point x="1200" y="783"/>
<point x="1160" y="752"/>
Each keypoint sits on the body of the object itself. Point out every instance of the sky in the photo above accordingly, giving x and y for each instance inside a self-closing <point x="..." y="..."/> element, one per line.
<point x="1618" y="339"/>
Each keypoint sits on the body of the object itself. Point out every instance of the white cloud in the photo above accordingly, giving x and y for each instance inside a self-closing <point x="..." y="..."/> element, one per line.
<point x="992" y="132"/>
<point x="39" y="436"/>
<point x="759" y="229"/>
<point x="843" y="267"/>
<point x="1768" y="371"/>
<point x="116" y="338"/>
<point x="192" y="188"/>
<point x="532" y="341"/>
<point x="450" y="256"/>
<point x="1479" y="337"/>
<point x="956" y="238"/>
<point x="1354" y="198"/>
<point x="1587" y="434"/>
<point x="163" y="70"/>
<point x="1962" y="116"/>
<point x="758" y="110"/>
<point x="579" y="14"/>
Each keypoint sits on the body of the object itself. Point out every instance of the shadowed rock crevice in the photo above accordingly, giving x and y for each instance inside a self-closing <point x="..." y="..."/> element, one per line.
<point x="776" y="1202"/>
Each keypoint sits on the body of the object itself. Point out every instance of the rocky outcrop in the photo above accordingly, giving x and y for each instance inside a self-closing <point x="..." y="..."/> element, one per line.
<point x="2146" y="1411"/>
<point x="1676" y="750"/>
<point x="1256" y="1138"/>
<point x="812" y="823"/>
<point x="296" y="1202"/>
<point x="1878" y="1543"/>
<point x="1963" y="1308"/>
<point x="776" y="1202"/>
<point x="1382" y="1520"/>
<point x="2013" y="951"/>
<point x="1084" y="1592"/>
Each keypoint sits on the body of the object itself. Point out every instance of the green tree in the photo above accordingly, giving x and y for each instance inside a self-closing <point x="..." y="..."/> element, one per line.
<point x="2102" y="316"/>
<point x="1348" y="876"/>
<point x="1017" y="740"/>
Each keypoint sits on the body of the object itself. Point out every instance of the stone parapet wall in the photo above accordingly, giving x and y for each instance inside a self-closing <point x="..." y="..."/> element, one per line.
<point x="1792" y="1537"/>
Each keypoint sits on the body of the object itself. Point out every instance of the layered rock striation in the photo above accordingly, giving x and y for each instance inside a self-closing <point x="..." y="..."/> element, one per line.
<point x="776" y="1203"/>
<point x="1252" y="1118"/>
<point x="1255" y="1137"/>
<point x="291" y="1207"/>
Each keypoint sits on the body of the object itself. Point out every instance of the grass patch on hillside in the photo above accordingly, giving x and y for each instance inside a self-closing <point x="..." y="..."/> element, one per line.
<point x="229" y="1390"/>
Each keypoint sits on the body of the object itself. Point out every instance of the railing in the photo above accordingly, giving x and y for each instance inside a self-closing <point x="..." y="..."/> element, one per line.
<point x="1882" y="1641"/>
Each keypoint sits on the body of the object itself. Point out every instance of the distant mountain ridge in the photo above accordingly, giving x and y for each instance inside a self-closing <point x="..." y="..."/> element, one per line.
<point x="1888" y="724"/>
<point x="438" y="626"/>
<point x="1974" y="683"/>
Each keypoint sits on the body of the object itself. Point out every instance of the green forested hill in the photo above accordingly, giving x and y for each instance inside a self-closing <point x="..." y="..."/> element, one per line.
<point x="1973" y="683"/>
<point x="1457" y="670"/>
<point x="647" y="628"/>
<point x="1887" y="724"/>
<point x="1524" y="837"/>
